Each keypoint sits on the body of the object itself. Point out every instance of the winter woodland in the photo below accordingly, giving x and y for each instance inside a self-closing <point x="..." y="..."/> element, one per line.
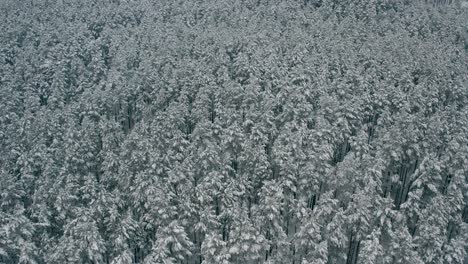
<point x="233" y="131"/>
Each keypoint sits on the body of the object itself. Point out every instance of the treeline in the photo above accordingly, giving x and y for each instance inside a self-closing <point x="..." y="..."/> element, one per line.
<point x="248" y="131"/>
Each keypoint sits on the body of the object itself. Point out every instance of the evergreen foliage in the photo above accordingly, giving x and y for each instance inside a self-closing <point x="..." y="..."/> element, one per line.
<point x="252" y="131"/>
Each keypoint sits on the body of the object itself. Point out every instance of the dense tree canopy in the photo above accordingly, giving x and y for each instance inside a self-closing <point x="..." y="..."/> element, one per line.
<point x="252" y="131"/>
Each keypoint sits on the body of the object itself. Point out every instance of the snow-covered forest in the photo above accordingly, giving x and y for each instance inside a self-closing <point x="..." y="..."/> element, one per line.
<point x="233" y="131"/>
